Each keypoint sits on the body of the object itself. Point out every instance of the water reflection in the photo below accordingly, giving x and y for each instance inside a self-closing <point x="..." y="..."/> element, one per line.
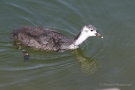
<point x="88" y="65"/>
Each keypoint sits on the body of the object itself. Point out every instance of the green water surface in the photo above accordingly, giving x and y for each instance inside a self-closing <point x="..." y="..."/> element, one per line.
<point x="97" y="65"/>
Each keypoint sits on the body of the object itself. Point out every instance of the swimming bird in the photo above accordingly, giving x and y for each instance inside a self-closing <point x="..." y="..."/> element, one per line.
<point x="51" y="40"/>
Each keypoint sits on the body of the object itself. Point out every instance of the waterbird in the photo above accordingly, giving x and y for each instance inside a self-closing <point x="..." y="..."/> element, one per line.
<point x="51" y="40"/>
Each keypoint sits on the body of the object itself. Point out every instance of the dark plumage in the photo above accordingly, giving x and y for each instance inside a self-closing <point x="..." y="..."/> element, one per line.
<point x="39" y="38"/>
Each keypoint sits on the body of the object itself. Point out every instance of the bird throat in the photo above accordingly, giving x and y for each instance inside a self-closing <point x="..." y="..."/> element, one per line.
<point x="78" y="40"/>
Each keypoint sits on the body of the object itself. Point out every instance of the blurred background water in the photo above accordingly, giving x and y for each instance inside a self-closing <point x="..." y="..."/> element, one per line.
<point x="97" y="64"/>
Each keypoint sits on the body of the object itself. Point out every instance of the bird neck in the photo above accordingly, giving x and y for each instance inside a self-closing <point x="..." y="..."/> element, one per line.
<point x="80" y="39"/>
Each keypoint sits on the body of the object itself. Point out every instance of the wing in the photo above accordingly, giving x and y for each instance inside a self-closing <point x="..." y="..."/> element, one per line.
<point x="47" y="39"/>
<point x="50" y="37"/>
<point x="51" y="40"/>
<point x="30" y="31"/>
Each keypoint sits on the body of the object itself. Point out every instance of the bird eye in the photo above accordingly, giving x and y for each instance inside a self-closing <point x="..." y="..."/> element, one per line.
<point x="91" y="30"/>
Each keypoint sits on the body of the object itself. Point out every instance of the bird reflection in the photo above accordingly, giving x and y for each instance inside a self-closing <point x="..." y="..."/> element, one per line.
<point x="88" y="65"/>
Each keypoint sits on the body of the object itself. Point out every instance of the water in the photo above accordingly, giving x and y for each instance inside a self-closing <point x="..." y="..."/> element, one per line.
<point x="98" y="64"/>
